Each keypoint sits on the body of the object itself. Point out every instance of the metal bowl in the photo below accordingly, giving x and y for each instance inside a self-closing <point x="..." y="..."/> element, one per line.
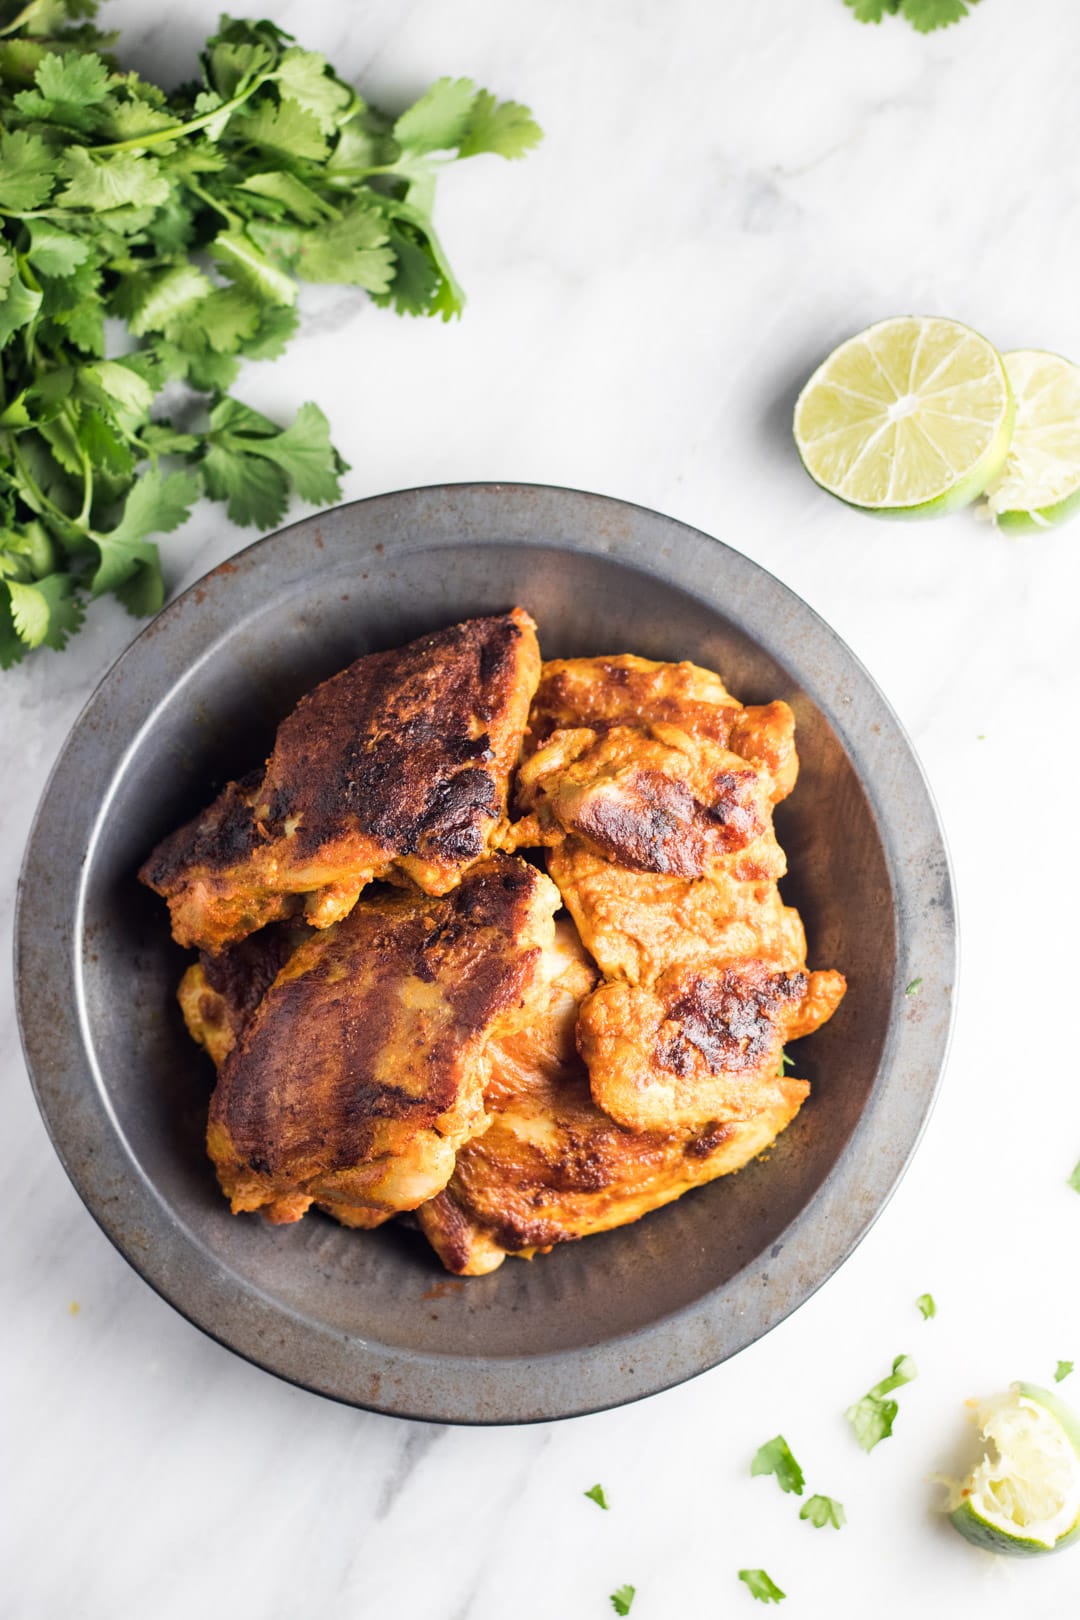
<point x="369" y="1318"/>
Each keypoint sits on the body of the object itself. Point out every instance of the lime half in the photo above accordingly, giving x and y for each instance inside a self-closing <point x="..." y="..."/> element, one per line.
<point x="1040" y="485"/>
<point x="911" y="418"/>
<point x="1026" y="1499"/>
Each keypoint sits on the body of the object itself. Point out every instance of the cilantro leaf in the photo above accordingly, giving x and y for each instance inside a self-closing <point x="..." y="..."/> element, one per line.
<point x="276" y="326"/>
<point x="438" y="121"/>
<point x="110" y="182"/>
<point x="155" y="504"/>
<point x="925" y="1303"/>
<point x="247" y="264"/>
<point x="234" y="63"/>
<point x="775" y="1457"/>
<point x="54" y="252"/>
<point x="416" y="275"/>
<point x="117" y="386"/>
<point x="926" y="15"/>
<point x="227" y="318"/>
<point x="12" y="646"/>
<point x="913" y="988"/>
<point x="623" y="1598"/>
<point x="352" y="250"/>
<point x="1074" y="1179"/>
<point x="1064" y="1368"/>
<point x="306" y="78"/>
<point x="102" y="445"/>
<point x="254" y="491"/>
<point x="872" y="1417"/>
<point x="872" y="11"/>
<point x="241" y="441"/>
<point x="923" y="15"/>
<point x="284" y="127"/>
<point x="154" y="300"/>
<point x="82" y="80"/>
<point x="823" y="1510"/>
<point x="280" y="186"/>
<point x="27" y="170"/>
<point x="760" y="1586"/>
<point x="18" y="302"/>
<point x="598" y="1496"/>
<point x="37" y="610"/>
<point x="504" y="127"/>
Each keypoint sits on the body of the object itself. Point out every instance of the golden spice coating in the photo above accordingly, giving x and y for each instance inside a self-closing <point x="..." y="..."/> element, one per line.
<point x="653" y="789"/>
<point x="701" y="1044"/>
<point x="551" y="1167"/>
<point x="626" y="690"/>
<point x="399" y="764"/>
<point x="218" y="994"/>
<point x="655" y="798"/>
<point x="361" y="1070"/>
<point x="637" y="923"/>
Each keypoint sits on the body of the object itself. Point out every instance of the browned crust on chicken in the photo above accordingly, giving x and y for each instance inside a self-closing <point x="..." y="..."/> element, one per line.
<point x="627" y="690"/>
<point x="653" y="798"/>
<point x="700" y="1044"/>
<point x="361" y="1071"/>
<point x="400" y="761"/>
<point x="552" y="1167"/>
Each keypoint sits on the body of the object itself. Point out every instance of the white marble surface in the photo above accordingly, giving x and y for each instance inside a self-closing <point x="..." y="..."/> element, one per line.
<point x="724" y="192"/>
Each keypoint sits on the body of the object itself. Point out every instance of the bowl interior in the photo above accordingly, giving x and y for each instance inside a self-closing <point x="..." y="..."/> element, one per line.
<point x="217" y="721"/>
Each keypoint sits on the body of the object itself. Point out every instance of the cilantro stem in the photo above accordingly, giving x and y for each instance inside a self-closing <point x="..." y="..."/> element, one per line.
<point x="212" y="202"/>
<point x="83" y="519"/>
<point x="160" y="137"/>
<point x="34" y="489"/>
<point x="413" y="216"/>
<point x="24" y="17"/>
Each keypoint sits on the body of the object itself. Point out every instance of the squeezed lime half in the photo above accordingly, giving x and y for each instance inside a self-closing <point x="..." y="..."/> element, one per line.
<point x="1024" y="1496"/>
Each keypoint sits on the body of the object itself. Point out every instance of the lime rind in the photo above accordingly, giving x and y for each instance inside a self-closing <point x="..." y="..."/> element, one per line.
<point x="1039" y="486"/>
<point x="912" y="417"/>
<point x="1025" y="1499"/>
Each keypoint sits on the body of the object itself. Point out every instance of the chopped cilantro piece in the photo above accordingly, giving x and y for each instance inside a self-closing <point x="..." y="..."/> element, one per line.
<point x="1064" y="1368"/>
<point x="622" y="1599"/>
<point x="1074" y="1179"/>
<point x="925" y="1303"/>
<point x="760" y="1586"/>
<point x="913" y="988"/>
<point x="872" y="1418"/>
<point x="775" y="1457"/>
<point x="597" y="1495"/>
<point x="823" y="1510"/>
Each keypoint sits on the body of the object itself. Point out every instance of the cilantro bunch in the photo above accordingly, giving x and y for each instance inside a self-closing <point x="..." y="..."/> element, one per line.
<point x="923" y="15"/>
<point x="152" y="239"/>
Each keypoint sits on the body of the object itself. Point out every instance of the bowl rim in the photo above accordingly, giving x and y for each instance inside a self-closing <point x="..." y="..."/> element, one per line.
<point x="613" y="1371"/>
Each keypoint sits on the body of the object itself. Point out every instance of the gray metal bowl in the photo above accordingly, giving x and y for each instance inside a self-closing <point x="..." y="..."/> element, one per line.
<point x="369" y="1317"/>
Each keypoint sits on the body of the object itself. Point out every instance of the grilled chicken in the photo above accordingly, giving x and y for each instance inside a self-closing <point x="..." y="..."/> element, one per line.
<point x="638" y="923"/>
<point x="360" y="1070"/>
<point x="432" y="1051"/>
<point x="552" y="1167"/>
<point x="399" y="765"/>
<point x="700" y="1045"/>
<point x="653" y="789"/>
